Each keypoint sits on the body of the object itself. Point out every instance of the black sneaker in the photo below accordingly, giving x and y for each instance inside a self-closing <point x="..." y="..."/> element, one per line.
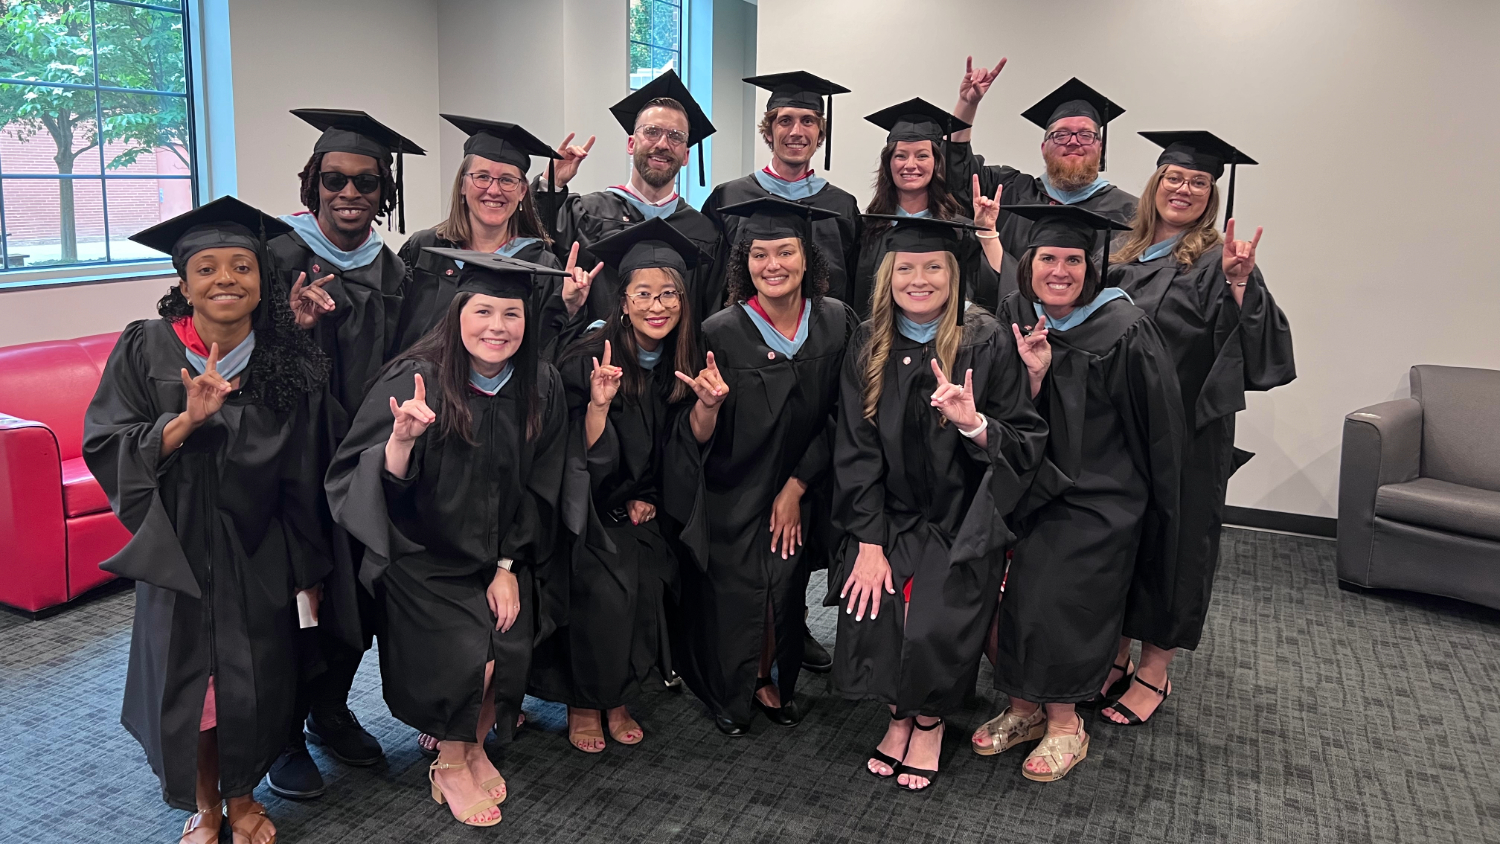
<point x="815" y="657"/>
<point x="294" y="775"/>
<point x="340" y="734"/>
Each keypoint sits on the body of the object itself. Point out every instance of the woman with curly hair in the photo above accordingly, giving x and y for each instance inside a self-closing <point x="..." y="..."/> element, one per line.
<point x="747" y="463"/>
<point x="206" y="433"/>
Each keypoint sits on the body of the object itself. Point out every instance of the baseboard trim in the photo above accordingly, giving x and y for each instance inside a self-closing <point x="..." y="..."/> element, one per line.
<point x="1276" y="520"/>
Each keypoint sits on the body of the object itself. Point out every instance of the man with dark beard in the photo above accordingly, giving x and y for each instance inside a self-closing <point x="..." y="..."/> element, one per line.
<point x="1075" y="118"/>
<point x="663" y="120"/>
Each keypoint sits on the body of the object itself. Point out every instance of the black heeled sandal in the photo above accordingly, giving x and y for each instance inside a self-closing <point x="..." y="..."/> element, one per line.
<point x="930" y="776"/>
<point x="1132" y="719"/>
<point x="889" y="761"/>
<point x="1117" y="688"/>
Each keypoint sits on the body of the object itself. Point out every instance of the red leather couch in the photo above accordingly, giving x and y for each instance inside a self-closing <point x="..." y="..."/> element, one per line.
<point x="55" y="523"/>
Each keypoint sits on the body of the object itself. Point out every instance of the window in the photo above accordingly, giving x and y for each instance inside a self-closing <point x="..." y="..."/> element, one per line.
<point x="655" y="40"/>
<point x="98" y="140"/>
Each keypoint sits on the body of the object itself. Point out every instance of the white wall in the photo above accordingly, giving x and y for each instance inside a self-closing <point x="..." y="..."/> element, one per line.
<point x="1372" y="123"/>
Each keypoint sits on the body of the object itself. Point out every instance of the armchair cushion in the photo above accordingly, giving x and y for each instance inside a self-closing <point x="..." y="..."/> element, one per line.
<point x="1460" y="415"/>
<point x="1439" y="505"/>
<point x="82" y="494"/>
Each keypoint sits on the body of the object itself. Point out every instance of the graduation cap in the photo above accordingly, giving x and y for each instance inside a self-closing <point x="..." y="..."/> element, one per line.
<point x="800" y="89"/>
<point x="506" y="143"/>
<point x="346" y="130"/>
<point x="774" y="218"/>
<point x="1075" y="99"/>
<point x="927" y="234"/>
<point x="667" y="86"/>
<point x="1201" y="151"/>
<point x="224" y="222"/>
<point x="653" y="243"/>
<point x="917" y="120"/>
<point x="493" y="274"/>
<point x="1067" y="226"/>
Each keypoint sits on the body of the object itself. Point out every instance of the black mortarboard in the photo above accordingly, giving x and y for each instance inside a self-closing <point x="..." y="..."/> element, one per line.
<point x="774" y="218"/>
<point x="670" y="86"/>
<point x="1075" y="99"/>
<point x="1067" y="226"/>
<point x="800" y="89"/>
<point x="1201" y="151"/>
<point x="356" y="132"/>
<point x="493" y="274"/>
<point x="224" y="222"/>
<point x="927" y="234"/>
<point x="653" y="243"/>
<point x="916" y="120"/>
<point x="506" y="143"/>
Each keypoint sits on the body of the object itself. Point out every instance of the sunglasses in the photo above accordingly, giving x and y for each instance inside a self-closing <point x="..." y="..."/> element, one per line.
<point x="365" y="183"/>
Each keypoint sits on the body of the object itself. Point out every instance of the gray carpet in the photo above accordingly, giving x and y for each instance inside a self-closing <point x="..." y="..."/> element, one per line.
<point x="1309" y="714"/>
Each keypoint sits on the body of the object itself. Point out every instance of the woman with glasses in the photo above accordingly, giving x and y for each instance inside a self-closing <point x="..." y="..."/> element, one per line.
<point x="623" y="395"/>
<point x="1227" y="337"/>
<point x="490" y="209"/>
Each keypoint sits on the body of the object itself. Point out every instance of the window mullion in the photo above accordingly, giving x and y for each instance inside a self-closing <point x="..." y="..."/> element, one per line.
<point x="99" y="135"/>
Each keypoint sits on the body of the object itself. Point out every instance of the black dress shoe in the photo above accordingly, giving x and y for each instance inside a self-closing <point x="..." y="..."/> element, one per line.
<point x="341" y="735"/>
<point x="815" y="657"/>
<point x="785" y="715"/>
<point x="673" y="681"/>
<point x="294" y="775"/>
<point x="730" y="728"/>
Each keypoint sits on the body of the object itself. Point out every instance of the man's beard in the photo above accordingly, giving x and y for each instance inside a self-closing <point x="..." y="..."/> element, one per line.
<point x="654" y="178"/>
<point x="1072" y="172"/>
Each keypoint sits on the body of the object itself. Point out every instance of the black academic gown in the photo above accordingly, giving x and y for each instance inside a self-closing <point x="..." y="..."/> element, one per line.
<point x="874" y="244"/>
<point x="432" y="280"/>
<point x="937" y="503"/>
<point x="1106" y="494"/>
<point x="1110" y="202"/>
<point x="621" y="574"/>
<point x="433" y="538"/>
<point x="774" y="424"/>
<point x="591" y="217"/>
<point x="839" y="237"/>
<point x="1222" y="350"/>
<point x="225" y="530"/>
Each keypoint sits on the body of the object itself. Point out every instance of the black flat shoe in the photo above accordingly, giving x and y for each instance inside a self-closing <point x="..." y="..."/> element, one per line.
<point x="295" y="776"/>
<point x="340" y="734"/>
<point x="1117" y="688"/>
<point x="815" y="657"/>
<point x="730" y="728"/>
<point x="786" y="715"/>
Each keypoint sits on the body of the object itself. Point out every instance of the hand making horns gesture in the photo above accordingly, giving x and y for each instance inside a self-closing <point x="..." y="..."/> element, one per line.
<point x="605" y="382"/>
<point x="709" y="385"/>
<point x="413" y="415"/>
<point x="576" y="285"/>
<point x="206" y="393"/>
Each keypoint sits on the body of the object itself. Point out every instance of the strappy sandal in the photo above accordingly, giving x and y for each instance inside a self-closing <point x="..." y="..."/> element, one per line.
<point x="886" y="759"/>
<point x="1053" y="749"/>
<point x="493" y="783"/>
<point x="198" y="820"/>
<point x="441" y="798"/>
<point x="575" y="735"/>
<point x="1117" y="688"/>
<point x="1008" y="729"/>
<point x="618" y="731"/>
<point x="930" y="776"/>
<point x="257" y="812"/>
<point x="1132" y="719"/>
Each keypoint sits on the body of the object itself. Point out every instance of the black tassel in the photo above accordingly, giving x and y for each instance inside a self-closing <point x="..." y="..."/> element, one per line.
<point x="400" y="192"/>
<point x="1103" y="137"/>
<point x="551" y="184"/>
<point x="828" y="137"/>
<point x="1229" y="203"/>
<point x="702" y="183"/>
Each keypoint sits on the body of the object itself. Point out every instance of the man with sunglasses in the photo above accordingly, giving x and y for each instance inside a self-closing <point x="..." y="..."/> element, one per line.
<point x="1074" y="118"/>
<point x="664" y="121"/>
<point x="347" y="294"/>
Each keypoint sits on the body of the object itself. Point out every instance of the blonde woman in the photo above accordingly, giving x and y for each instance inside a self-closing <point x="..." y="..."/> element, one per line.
<point x="935" y="432"/>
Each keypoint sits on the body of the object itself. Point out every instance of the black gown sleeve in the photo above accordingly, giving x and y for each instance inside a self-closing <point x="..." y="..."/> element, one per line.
<point x="1016" y="437"/>
<point x="304" y="509"/>
<point x="1252" y="342"/>
<point x="1155" y="419"/>
<point x="858" y="459"/>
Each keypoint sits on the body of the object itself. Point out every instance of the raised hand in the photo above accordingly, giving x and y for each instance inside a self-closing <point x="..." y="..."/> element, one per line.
<point x="986" y="210"/>
<point x="605" y="381"/>
<point x="954" y="402"/>
<point x="412" y="416"/>
<point x="572" y="156"/>
<point x="206" y="393"/>
<point x="310" y="302"/>
<point x="709" y="385"/>
<point x="576" y="286"/>
<point x="1239" y="256"/>
<point x="976" y="83"/>
<point x="871" y="573"/>
<point x="1033" y="348"/>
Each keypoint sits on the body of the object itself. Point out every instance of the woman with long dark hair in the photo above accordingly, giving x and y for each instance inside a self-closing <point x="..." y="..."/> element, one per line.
<point x="928" y="468"/>
<point x="206" y="433"/>
<point x="622" y="401"/>
<point x="748" y="463"/>
<point x="1106" y="496"/>
<point x="1228" y="337"/>
<point x="450" y="476"/>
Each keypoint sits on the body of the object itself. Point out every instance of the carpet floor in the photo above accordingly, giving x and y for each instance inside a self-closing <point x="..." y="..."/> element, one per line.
<point x="1308" y="715"/>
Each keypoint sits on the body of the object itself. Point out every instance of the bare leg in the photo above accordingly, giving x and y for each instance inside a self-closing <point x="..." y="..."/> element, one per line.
<point x="1139" y="699"/>
<point x="480" y="765"/>
<point x="992" y="640"/>
<point x="207" y="790"/>
<point x="1062" y="720"/>
<point x="769" y="695"/>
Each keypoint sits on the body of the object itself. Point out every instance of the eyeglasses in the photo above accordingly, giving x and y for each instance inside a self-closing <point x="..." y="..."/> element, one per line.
<point x="1198" y="186"/>
<point x="669" y="299"/>
<point x="653" y="134"/>
<point x="1063" y="136"/>
<point x="508" y="183"/>
<point x="332" y="180"/>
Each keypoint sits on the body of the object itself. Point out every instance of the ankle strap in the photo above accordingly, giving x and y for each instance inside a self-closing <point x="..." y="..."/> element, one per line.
<point x="1148" y="685"/>
<point x="929" y="728"/>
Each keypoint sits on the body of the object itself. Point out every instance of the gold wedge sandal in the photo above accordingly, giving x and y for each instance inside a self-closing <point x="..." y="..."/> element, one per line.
<point x="1008" y="729"/>
<point x="1053" y="749"/>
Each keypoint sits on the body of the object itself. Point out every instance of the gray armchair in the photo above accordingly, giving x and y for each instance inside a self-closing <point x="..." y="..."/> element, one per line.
<point x="1419" y="488"/>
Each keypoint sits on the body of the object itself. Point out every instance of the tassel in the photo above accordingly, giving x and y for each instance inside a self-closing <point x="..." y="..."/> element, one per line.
<point x="828" y="137"/>
<point x="400" y="193"/>
<point x="551" y="184"/>
<point x="1103" y="129"/>
<point x="702" y="183"/>
<point x="1229" y="203"/>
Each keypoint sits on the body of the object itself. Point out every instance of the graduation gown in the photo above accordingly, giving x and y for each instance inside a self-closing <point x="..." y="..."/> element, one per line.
<point x="874" y="246"/>
<point x="774" y="424"/>
<point x="1106" y="496"/>
<point x="591" y="217"/>
<point x="1221" y="351"/>
<point x="432" y="281"/>
<point x="937" y="504"/>
<point x="838" y="238"/>
<point x="432" y="540"/>
<point x="225" y="530"/>
<point x="619" y="574"/>
<point x="1110" y="202"/>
